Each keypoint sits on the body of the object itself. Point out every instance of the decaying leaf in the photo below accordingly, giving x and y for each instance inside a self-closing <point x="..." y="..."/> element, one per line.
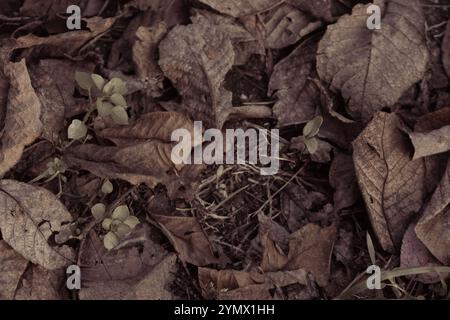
<point x="373" y="68"/>
<point x="12" y="266"/>
<point x="343" y="180"/>
<point x="128" y="271"/>
<point x="188" y="239"/>
<point x="433" y="228"/>
<point x="415" y="254"/>
<point x="196" y="58"/>
<point x="22" y="125"/>
<point x="297" y="95"/>
<point x="240" y="285"/>
<point x="393" y="185"/>
<point x="142" y="154"/>
<point x="446" y="50"/>
<point x="38" y="283"/>
<point x="27" y="227"/>
<point x="240" y="8"/>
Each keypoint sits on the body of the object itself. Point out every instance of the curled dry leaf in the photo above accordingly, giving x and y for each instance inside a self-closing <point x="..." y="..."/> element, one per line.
<point x="12" y="267"/>
<point x="188" y="239"/>
<point x="392" y="185"/>
<point x="374" y="68"/>
<point x="415" y="254"/>
<point x="291" y="83"/>
<point x="433" y="228"/>
<point x="28" y="228"/>
<point x="21" y="124"/>
<point x="240" y="285"/>
<point x="196" y="58"/>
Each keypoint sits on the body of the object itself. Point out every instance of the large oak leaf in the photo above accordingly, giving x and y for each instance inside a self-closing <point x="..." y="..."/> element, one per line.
<point x="373" y="68"/>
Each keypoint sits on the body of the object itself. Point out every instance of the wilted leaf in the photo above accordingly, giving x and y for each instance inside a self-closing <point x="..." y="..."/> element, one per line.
<point x="415" y="254"/>
<point x="188" y="239"/>
<point x="22" y="124"/>
<point x="298" y="96"/>
<point x="196" y="58"/>
<point x="12" y="267"/>
<point x="393" y="185"/>
<point x="433" y="228"/>
<point x="27" y="227"/>
<point x="374" y="68"/>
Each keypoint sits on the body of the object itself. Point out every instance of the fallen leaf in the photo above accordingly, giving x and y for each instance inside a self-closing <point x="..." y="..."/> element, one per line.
<point x="40" y="8"/>
<point x="392" y="185"/>
<point x="343" y="180"/>
<point x="40" y="284"/>
<point x="12" y="266"/>
<point x="196" y="58"/>
<point x="310" y="249"/>
<point x="240" y="285"/>
<point x="188" y="239"/>
<point x="241" y="8"/>
<point x="22" y="125"/>
<point x="446" y="50"/>
<point x="415" y="254"/>
<point x="28" y="228"/>
<point x="374" y="68"/>
<point x="291" y="83"/>
<point x="327" y="10"/>
<point x="433" y="227"/>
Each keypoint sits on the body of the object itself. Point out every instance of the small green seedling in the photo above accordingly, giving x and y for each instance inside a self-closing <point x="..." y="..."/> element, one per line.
<point x="55" y="170"/>
<point x="110" y="101"/>
<point x="119" y="225"/>
<point x="310" y="132"/>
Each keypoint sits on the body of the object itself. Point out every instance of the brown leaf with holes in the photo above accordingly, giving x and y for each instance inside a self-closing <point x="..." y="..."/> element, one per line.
<point x="373" y="68"/>
<point x="196" y="58"/>
<point x="28" y="228"/>
<point x="433" y="228"/>
<point x="392" y="185"/>
<point x="298" y="96"/>
<point x="21" y="124"/>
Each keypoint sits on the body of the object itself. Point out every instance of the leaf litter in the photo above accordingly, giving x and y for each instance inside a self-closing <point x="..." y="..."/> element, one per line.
<point x="87" y="177"/>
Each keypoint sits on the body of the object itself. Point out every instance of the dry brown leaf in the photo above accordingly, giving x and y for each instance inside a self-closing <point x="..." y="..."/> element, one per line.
<point x="285" y="25"/>
<point x="143" y="152"/>
<point x="27" y="227"/>
<point x="393" y="185"/>
<point x="415" y="254"/>
<point x="22" y="125"/>
<point x="239" y="285"/>
<point x="245" y="42"/>
<point x="196" y="58"/>
<point x="327" y="10"/>
<point x="446" y="50"/>
<point x="374" y="68"/>
<point x="343" y="180"/>
<point x="40" y="8"/>
<point x="145" y="55"/>
<point x="433" y="228"/>
<point x="188" y="239"/>
<point x="240" y="8"/>
<point x="310" y="249"/>
<point x="127" y="271"/>
<point x="297" y="95"/>
<point x="40" y="284"/>
<point x="12" y="267"/>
